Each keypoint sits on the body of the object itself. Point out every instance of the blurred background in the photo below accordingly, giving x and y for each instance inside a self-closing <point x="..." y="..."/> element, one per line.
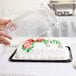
<point x="16" y="7"/>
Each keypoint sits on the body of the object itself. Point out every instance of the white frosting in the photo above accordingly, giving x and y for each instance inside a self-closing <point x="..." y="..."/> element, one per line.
<point x="43" y="52"/>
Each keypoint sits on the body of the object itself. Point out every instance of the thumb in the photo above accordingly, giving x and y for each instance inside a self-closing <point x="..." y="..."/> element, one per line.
<point x="4" y="21"/>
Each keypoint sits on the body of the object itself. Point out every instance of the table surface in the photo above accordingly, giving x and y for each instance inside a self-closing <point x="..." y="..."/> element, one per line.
<point x="8" y="68"/>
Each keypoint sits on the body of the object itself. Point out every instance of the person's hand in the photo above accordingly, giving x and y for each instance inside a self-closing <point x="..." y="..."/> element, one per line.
<point x="3" y="23"/>
<point x="3" y="40"/>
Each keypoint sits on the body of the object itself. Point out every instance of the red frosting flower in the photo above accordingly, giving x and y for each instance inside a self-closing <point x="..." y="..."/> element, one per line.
<point x="31" y="40"/>
<point x="40" y="39"/>
<point x="28" y="42"/>
<point x="27" y="46"/>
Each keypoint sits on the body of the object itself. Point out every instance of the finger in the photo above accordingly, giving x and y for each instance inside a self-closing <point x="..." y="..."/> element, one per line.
<point x="5" y="35"/>
<point x="1" y="28"/>
<point x="4" y="21"/>
<point x="4" y="41"/>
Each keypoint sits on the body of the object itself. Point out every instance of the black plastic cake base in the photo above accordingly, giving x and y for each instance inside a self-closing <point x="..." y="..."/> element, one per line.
<point x="20" y="60"/>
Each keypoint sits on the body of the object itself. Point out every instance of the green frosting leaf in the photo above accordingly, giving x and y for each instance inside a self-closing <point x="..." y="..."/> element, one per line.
<point x="28" y="50"/>
<point x="35" y="40"/>
<point x="53" y="41"/>
<point x="23" y="47"/>
<point x="50" y="41"/>
<point x="46" y="41"/>
<point x="56" y="42"/>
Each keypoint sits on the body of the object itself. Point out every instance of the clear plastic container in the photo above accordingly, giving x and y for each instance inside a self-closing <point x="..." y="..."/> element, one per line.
<point x="34" y="23"/>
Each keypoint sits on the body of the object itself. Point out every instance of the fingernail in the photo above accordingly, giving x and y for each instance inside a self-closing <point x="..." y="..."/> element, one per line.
<point x="11" y="38"/>
<point x="10" y="20"/>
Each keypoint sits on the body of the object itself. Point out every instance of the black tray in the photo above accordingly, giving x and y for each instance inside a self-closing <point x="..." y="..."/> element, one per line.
<point x="68" y="60"/>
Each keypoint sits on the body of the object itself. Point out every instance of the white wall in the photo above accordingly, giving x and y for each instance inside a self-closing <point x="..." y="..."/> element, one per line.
<point x="8" y="7"/>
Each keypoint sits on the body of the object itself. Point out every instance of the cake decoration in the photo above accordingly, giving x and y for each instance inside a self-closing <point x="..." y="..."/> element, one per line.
<point x="29" y="44"/>
<point x="42" y="49"/>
